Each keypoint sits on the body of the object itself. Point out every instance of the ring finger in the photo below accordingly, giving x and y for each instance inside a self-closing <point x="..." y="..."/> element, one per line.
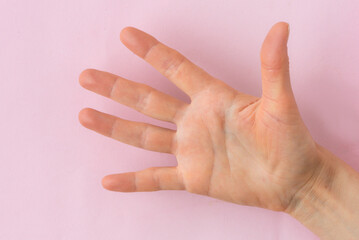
<point x="138" y="134"/>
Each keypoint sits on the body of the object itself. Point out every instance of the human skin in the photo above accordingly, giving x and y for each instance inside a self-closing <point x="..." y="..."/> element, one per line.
<point x="249" y="150"/>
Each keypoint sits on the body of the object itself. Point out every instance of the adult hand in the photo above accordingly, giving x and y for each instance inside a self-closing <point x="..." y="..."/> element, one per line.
<point x="229" y="145"/>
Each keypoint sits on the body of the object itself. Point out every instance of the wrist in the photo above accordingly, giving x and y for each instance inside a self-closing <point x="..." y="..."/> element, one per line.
<point x="319" y="185"/>
<point x="328" y="203"/>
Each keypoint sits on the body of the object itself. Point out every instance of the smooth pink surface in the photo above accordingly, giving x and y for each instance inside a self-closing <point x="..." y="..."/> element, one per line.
<point x="51" y="166"/>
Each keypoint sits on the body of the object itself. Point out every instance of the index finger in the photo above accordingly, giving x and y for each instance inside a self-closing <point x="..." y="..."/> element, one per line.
<point x="173" y="65"/>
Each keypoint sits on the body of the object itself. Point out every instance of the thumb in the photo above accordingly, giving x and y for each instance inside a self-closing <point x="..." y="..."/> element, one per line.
<point x="275" y="66"/>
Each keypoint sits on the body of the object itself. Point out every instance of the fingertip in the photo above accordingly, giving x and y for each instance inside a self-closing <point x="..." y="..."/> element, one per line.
<point x="123" y="182"/>
<point x="126" y="33"/>
<point x="137" y="41"/>
<point x="274" y="47"/>
<point x="86" y="117"/>
<point x="282" y="24"/>
<point x="281" y="28"/>
<point x="106" y="183"/>
<point x="86" y="77"/>
<point x="127" y="28"/>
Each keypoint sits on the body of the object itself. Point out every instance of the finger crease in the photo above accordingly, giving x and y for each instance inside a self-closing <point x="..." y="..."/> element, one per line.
<point x="113" y="88"/>
<point x="173" y="147"/>
<point x="114" y="126"/>
<point x="143" y="103"/>
<point x="144" y="137"/>
<point x="149" y="50"/>
<point x="156" y="179"/>
<point x="135" y="182"/>
<point x="173" y="68"/>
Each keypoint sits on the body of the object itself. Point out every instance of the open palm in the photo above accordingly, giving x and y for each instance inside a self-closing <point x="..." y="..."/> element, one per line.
<point x="229" y="145"/>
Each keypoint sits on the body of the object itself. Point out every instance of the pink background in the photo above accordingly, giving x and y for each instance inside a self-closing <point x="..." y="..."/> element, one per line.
<point x="51" y="166"/>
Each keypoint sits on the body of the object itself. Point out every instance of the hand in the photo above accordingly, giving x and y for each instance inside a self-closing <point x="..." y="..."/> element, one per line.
<point x="229" y="145"/>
